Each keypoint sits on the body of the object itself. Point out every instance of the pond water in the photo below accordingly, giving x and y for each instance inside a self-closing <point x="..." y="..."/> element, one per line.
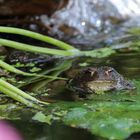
<point x="126" y="63"/>
<point x="98" y="30"/>
<point x="56" y="131"/>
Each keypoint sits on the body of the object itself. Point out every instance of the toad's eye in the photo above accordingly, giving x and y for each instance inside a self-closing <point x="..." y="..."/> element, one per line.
<point x="108" y="72"/>
<point x="91" y="69"/>
<point x="92" y="73"/>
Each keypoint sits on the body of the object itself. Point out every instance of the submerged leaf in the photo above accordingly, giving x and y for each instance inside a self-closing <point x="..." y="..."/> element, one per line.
<point x="114" y="115"/>
<point x="42" y="117"/>
<point x="103" y="122"/>
<point x="111" y="116"/>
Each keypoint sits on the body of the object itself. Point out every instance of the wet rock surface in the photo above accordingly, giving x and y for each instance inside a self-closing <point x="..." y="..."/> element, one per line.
<point x="81" y="23"/>
<point x="88" y="22"/>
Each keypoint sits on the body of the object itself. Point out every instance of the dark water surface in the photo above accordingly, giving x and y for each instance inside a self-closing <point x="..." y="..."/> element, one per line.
<point x="56" y="131"/>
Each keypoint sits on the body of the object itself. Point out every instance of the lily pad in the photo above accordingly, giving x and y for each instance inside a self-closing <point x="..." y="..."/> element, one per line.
<point x="115" y="115"/>
<point x="109" y="120"/>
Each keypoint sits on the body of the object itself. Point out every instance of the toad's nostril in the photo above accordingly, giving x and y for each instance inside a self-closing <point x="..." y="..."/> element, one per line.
<point x="130" y="86"/>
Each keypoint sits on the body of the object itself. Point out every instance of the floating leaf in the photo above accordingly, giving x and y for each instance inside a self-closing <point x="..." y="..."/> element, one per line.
<point x="39" y="116"/>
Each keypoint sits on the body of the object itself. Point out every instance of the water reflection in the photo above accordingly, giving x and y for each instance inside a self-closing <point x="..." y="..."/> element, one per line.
<point x="56" y="131"/>
<point x="126" y="64"/>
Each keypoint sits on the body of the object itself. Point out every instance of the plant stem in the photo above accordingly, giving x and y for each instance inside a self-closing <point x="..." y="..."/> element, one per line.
<point x="98" y="53"/>
<point x="37" y="36"/>
<point x="17" y="97"/>
<point x="35" y="49"/>
<point x="19" y="93"/>
<point x="62" y="67"/>
<point x="14" y="70"/>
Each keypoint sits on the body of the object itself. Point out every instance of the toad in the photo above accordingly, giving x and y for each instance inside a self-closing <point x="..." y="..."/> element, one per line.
<point x="98" y="80"/>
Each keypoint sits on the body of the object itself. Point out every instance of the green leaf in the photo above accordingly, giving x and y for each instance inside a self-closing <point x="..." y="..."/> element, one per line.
<point x="39" y="116"/>
<point x="114" y="117"/>
<point x="103" y="121"/>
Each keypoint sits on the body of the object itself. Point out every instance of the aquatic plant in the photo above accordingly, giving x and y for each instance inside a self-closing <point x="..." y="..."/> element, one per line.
<point x="111" y="116"/>
<point x="63" y="50"/>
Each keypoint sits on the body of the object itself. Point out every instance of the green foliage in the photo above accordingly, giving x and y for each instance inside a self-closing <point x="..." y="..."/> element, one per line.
<point x="112" y="118"/>
<point x="115" y="115"/>
<point x="106" y="119"/>
<point x="19" y="95"/>
<point x="134" y="31"/>
<point x="39" y="116"/>
<point x="44" y="38"/>
<point x="111" y="115"/>
<point x="65" y="50"/>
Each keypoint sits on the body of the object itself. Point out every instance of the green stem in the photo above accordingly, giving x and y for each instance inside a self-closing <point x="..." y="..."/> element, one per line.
<point x="17" y="97"/>
<point x="37" y="36"/>
<point x="14" y="70"/>
<point x="59" y="67"/>
<point x="63" y="67"/>
<point x="19" y="92"/>
<point x="98" y="53"/>
<point x="35" y="49"/>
